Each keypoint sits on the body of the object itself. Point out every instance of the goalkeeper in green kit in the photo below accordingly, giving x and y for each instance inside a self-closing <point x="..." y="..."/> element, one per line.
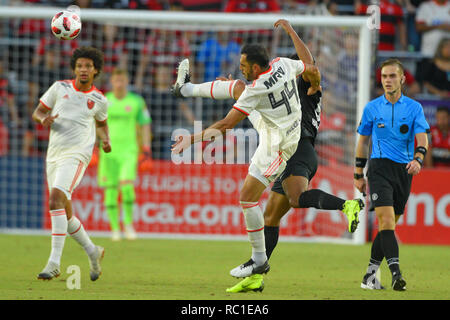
<point x="129" y="130"/>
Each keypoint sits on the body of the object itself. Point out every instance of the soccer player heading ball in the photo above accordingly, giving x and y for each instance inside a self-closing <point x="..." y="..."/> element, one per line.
<point x="75" y="111"/>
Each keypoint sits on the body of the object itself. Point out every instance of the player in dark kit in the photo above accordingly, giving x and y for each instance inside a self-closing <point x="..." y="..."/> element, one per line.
<point x="290" y="189"/>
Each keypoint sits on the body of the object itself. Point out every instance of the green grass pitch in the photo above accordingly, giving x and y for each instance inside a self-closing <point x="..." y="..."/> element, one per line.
<point x="156" y="269"/>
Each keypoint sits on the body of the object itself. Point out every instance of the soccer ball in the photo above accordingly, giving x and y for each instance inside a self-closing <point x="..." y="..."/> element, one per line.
<point x="66" y="25"/>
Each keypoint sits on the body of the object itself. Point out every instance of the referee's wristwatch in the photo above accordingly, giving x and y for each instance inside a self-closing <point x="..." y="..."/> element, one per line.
<point x="358" y="176"/>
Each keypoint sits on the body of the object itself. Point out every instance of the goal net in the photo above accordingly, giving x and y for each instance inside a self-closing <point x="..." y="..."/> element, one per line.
<point x="196" y="199"/>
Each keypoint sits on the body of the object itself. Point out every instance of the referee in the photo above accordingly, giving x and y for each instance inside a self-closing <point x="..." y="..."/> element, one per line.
<point x="392" y="121"/>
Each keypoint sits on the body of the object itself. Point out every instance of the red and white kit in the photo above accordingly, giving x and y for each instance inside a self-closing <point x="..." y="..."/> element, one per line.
<point x="72" y="135"/>
<point x="273" y="105"/>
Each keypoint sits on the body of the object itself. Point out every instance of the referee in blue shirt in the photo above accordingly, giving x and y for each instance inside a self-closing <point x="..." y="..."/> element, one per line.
<point x="393" y="121"/>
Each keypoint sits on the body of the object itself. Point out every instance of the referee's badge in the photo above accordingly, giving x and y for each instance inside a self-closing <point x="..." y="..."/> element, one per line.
<point x="404" y="128"/>
<point x="374" y="196"/>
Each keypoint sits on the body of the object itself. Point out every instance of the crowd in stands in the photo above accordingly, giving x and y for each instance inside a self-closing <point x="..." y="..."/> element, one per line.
<point x="416" y="31"/>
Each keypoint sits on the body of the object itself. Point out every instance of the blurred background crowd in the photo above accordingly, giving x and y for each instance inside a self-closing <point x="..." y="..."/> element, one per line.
<point x="415" y="31"/>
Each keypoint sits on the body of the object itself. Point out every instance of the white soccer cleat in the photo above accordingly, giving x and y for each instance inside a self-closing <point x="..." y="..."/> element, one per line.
<point x="371" y="282"/>
<point x="130" y="233"/>
<point x="94" y="263"/>
<point x="182" y="78"/>
<point x="116" y="235"/>
<point x="50" y="271"/>
<point x="249" y="268"/>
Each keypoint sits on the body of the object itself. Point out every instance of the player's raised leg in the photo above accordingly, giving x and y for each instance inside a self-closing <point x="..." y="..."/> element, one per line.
<point x="315" y="198"/>
<point x="218" y="89"/>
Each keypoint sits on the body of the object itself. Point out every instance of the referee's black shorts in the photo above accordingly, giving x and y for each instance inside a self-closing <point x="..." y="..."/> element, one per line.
<point x="389" y="184"/>
<point x="302" y="163"/>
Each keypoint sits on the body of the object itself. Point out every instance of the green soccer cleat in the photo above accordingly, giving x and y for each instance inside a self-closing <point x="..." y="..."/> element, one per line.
<point x="351" y="209"/>
<point x="253" y="283"/>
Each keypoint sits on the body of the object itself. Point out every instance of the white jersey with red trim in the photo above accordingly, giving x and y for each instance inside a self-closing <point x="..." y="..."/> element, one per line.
<point x="274" y="103"/>
<point x="73" y="132"/>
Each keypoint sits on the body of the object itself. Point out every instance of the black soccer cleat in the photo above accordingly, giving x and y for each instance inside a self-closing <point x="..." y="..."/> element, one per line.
<point x="398" y="283"/>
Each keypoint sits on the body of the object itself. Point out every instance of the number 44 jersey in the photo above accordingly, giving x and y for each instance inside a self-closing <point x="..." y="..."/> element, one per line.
<point x="273" y="104"/>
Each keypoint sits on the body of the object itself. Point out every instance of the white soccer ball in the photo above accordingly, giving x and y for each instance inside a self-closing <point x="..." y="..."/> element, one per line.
<point x="66" y="25"/>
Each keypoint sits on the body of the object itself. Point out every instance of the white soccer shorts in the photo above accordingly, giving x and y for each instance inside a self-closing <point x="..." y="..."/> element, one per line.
<point x="267" y="166"/>
<point x="65" y="175"/>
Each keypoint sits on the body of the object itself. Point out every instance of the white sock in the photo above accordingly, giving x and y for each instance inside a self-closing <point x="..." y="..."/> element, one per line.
<point x="214" y="89"/>
<point x="59" y="230"/>
<point x="254" y="222"/>
<point x="76" y="230"/>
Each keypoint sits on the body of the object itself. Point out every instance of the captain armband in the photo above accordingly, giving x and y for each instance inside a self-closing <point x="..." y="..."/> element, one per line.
<point x="360" y="162"/>
<point x="421" y="150"/>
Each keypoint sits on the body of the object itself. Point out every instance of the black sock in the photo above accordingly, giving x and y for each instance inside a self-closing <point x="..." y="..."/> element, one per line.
<point x="390" y="249"/>
<point x="376" y="252"/>
<point x="319" y="199"/>
<point x="271" y="239"/>
<point x="376" y="255"/>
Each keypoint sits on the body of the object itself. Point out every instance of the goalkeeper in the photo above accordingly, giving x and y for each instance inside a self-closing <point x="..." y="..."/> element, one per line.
<point x="129" y="129"/>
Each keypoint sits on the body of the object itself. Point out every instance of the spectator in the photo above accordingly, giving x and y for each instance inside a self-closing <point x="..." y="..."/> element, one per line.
<point x="163" y="48"/>
<point x="411" y="86"/>
<point x="115" y="52"/>
<point x="438" y="154"/>
<point x="9" y="115"/>
<point x="252" y="6"/>
<point x="10" y="130"/>
<point x="391" y="21"/>
<point x="201" y="5"/>
<point x="217" y="56"/>
<point x="436" y="73"/>
<point x="64" y="48"/>
<point x="135" y="4"/>
<point x="294" y="6"/>
<point x="42" y="76"/>
<point x="321" y="7"/>
<point x="4" y="138"/>
<point x="410" y="8"/>
<point x="168" y="112"/>
<point x="433" y="22"/>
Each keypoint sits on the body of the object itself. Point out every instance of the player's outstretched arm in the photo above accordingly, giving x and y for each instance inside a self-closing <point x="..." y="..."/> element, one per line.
<point x="42" y="115"/>
<point x="217" y="129"/>
<point x="300" y="47"/>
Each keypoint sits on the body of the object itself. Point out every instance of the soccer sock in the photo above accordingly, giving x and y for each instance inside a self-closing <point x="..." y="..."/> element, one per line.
<point x="319" y="199"/>
<point x="254" y="222"/>
<point x="390" y="249"/>
<point x="271" y="239"/>
<point x="59" y="229"/>
<point x="76" y="230"/>
<point x="214" y="89"/>
<point x="376" y="255"/>
<point x="112" y="208"/>
<point x="128" y="198"/>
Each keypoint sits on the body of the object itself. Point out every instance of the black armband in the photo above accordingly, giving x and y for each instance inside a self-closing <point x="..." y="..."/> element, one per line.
<point x="360" y="162"/>
<point x="358" y="176"/>
<point x="421" y="150"/>
<point x="419" y="160"/>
